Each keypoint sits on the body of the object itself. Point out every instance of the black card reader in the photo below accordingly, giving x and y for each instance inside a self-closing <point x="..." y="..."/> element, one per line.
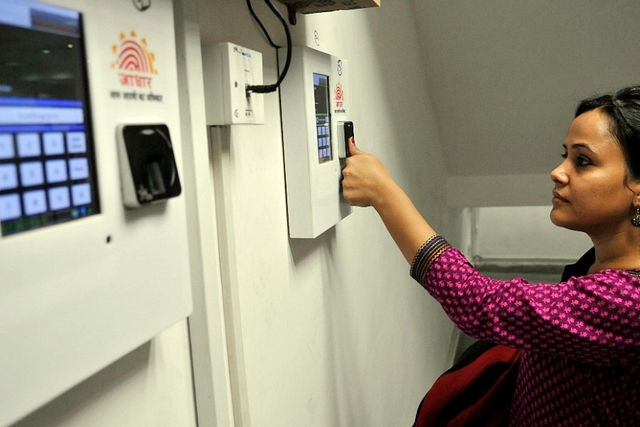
<point x="345" y="131"/>
<point x="147" y="165"/>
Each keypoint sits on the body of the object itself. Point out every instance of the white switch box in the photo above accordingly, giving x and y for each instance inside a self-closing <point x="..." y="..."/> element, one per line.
<point x="228" y="70"/>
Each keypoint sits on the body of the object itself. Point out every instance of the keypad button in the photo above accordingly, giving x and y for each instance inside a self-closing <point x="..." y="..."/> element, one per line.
<point x="28" y="144"/>
<point x="56" y="171"/>
<point x="6" y="146"/>
<point x="81" y="194"/>
<point x="59" y="198"/>
<point x="76" y="142"/>
<point x="8" y="176"/>
<point x="35" y="202"/>
<point x="10" y="207"/>
<point x="31" y="173"/>
<point x="53" y="143"/>
<point x="79" y="168"/>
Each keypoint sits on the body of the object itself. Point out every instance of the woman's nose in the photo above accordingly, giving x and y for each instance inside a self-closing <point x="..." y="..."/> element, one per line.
<point x="559" y="175"/>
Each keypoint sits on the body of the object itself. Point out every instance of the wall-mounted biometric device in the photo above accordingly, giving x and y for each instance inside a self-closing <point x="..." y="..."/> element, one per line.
<point x="86" y="280"/>
<point x="314" y="101"/>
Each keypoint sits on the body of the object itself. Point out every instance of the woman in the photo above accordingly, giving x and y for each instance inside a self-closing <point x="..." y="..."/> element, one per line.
<point x="580" y="337"/>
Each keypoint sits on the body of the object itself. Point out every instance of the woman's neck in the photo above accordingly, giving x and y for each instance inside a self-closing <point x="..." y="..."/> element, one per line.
<point x="620" y="252"/>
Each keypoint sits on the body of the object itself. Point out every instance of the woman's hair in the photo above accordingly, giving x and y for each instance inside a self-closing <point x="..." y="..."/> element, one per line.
<point x="623" y="110"/>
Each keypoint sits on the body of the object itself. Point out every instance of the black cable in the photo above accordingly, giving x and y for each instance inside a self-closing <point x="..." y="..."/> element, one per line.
<point x="273" y="87"/>
<point x="264" y="30"/>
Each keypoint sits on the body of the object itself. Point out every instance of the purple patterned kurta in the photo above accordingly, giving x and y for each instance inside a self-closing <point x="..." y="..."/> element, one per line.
<point x="581" y="338"/>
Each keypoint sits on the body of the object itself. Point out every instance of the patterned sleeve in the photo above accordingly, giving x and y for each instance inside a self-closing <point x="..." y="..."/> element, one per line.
<point x="593" y="319"/>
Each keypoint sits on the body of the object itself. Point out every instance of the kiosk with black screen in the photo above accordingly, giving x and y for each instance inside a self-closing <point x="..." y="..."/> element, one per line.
<point x="47" y="164"/>
<point x="84" y="279"/>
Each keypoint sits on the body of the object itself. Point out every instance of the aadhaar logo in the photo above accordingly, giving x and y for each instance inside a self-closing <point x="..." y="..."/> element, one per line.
<point x="134" y="61"/>
<point x="339" y="95"/>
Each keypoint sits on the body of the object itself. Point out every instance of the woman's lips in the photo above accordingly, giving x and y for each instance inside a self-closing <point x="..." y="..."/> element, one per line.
<point x="558" y="198"/>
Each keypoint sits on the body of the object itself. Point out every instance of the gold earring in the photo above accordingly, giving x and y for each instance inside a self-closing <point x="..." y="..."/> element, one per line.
<point x="635" y="219"/>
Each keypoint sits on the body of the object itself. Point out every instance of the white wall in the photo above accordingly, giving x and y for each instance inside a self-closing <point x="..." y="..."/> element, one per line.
<point x="331" y="331"/>
<point x="499" y="190"/>
<point x="525" y="233"/>
<point x="151" y="386"/>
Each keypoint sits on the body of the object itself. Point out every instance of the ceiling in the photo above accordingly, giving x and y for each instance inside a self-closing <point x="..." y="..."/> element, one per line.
<point x="505" y="75"/>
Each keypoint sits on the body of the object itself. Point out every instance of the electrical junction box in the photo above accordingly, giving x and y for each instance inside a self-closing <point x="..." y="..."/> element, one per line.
<point x="314" y="103"/>
<point x="228" y="70"/>
<point x="84" y="280"/>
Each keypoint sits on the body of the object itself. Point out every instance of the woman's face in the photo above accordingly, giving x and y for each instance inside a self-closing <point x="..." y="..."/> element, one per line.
<point x="592" y="192"/>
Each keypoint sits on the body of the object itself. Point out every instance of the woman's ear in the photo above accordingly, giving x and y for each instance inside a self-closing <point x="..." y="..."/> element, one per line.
<point x="634" y="185"/>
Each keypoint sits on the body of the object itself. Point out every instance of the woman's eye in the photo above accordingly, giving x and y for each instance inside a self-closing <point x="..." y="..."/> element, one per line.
<point x="582" y="161"/>
<point x="578" y="160"/>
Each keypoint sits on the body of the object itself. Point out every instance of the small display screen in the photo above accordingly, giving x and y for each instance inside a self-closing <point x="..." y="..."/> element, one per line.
<point x="47" y="163"/>
<point x="323" y="116"/>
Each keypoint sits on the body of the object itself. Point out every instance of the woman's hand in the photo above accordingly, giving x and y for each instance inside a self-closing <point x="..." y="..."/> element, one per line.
<point x="366" y="182"/>
<point x="365" y="178"/>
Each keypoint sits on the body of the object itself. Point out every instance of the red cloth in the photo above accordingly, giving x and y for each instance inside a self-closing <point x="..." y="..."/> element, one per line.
<point x="476" y="392"/>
